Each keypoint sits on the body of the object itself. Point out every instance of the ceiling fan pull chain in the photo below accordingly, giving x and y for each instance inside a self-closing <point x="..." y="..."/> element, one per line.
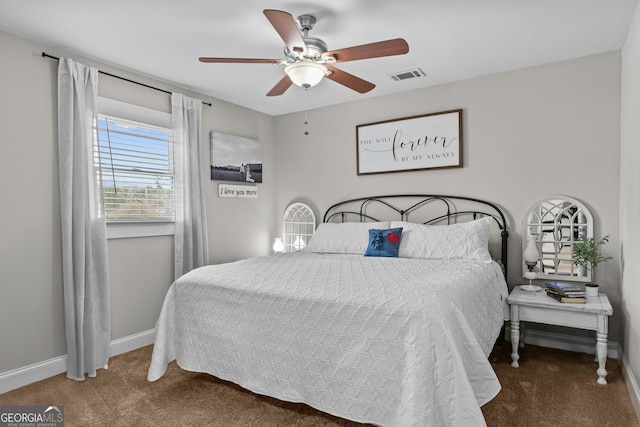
<point x="306" y="123"/>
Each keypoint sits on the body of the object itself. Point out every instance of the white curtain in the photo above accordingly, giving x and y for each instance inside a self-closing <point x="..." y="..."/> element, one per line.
<point x="84" y="242"/>
<point x="191" y="242"/>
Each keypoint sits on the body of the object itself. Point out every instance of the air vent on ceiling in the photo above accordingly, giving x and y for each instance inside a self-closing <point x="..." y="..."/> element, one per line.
<point x="406" y="75"/>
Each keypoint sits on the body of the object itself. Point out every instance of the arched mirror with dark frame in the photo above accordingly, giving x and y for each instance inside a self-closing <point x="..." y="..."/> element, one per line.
<point x="551" y="227"/>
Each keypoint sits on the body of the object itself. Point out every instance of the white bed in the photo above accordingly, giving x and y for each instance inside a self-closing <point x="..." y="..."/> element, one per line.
<point x="389" y="341"/>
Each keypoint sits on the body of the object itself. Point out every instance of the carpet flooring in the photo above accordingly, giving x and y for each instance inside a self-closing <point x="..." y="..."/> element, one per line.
<point x="551" y="388"/>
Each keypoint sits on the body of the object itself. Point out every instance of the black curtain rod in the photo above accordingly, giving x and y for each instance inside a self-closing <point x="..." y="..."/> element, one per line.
<point x="46" y="55"/>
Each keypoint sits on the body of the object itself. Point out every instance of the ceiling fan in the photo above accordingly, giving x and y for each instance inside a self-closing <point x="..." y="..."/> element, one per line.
<point x="307" y="59"/>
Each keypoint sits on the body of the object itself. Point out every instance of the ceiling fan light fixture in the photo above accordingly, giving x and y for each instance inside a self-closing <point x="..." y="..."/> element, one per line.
<point x="306" y="74"/>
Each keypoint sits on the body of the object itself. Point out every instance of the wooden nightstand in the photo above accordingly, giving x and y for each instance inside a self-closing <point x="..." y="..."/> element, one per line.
<point x="540" y="308"/>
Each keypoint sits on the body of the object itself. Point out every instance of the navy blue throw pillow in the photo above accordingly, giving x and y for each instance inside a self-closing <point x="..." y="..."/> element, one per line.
<point x="384" y="242"/>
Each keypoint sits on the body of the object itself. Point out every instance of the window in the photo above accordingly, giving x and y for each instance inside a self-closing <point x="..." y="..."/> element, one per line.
<point x="134" y="152"/>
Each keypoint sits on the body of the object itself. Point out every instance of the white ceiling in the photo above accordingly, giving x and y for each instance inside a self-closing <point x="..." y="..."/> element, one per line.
<point x="448" y="39"/>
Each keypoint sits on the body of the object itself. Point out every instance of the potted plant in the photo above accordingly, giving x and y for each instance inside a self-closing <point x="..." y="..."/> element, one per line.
<point x="587" y="254"/>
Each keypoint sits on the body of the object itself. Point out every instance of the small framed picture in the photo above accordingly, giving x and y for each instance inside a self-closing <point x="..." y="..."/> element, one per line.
<point x="235" y="158"/>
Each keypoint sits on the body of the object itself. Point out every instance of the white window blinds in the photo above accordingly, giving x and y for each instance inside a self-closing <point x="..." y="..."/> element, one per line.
<point x="136" y="164"/>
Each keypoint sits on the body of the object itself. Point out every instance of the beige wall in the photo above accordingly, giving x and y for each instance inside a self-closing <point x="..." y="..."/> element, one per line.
<point x="141" y="269"/>
<point x="630" y="198"/>
<point x="552" y="129"/>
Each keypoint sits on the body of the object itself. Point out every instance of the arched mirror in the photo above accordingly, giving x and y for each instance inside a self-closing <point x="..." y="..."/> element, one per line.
<point x="551" y="227"/>
<point x="299" y="226"/>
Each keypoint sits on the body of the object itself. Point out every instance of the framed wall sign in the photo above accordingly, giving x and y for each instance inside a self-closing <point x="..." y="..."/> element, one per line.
<point x="238" y="191"/>
<point x="429" y="141"/>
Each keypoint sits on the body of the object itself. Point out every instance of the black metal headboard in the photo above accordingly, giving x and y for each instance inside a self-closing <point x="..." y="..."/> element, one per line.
<point x="426" y="208"/>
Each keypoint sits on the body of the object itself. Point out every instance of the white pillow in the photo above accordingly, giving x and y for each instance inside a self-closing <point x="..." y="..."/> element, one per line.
<point x="468" y="240"/>
<point x="343" y="237"/>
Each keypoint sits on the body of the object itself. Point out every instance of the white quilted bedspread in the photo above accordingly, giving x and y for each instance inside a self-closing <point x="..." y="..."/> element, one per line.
<point x="390" y="341"/>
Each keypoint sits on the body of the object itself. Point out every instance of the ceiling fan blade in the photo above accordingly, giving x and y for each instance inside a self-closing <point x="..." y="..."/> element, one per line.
<point x="241" y="60"/>
<point x="370" y="50"/>
<point x="281" y="86"/>
<point x="287" y="28"/>
<point x="349" y="80"/>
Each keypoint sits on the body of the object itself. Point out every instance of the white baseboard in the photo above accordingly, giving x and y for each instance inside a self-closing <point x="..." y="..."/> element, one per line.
<point x="564" y="342"/>
<point x="26" y="375"/>
<point x="132" y="342"/>
<point x="630" y="381"/>
<point x="20" y="377"/>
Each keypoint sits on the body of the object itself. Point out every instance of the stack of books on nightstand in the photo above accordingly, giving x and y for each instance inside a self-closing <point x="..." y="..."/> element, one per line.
<point x="566" y="292"/>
